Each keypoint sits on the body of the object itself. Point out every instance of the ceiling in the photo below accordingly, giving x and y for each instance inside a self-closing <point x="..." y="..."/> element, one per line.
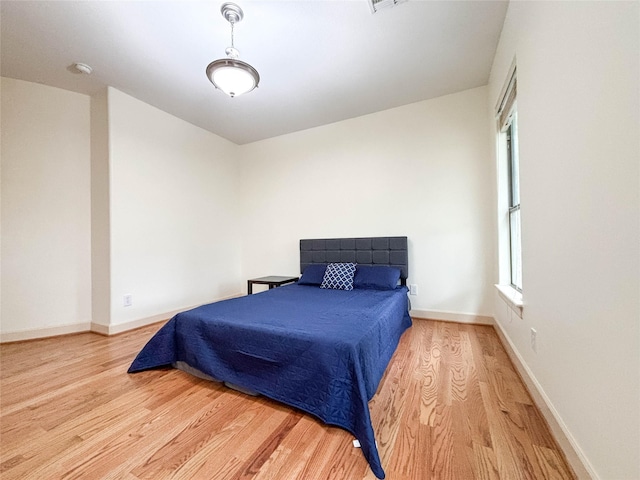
<point x="319" y="61"/>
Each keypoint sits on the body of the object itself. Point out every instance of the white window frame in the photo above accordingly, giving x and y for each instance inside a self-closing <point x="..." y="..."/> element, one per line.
<point x="509" y="227"/>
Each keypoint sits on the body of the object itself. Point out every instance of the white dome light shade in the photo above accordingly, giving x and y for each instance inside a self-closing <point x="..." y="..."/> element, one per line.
<point x="233" y="77"/>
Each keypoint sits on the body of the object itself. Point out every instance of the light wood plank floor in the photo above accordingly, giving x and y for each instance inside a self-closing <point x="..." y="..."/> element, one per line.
<point x="450" y="406"/>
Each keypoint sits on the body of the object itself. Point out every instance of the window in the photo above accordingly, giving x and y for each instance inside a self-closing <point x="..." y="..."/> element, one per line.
<point x="507" y="118"/>
<point x="515" y="244"/>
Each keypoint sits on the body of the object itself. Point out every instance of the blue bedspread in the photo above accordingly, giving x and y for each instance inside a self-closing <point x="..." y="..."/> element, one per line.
<point x="322" y="351"/>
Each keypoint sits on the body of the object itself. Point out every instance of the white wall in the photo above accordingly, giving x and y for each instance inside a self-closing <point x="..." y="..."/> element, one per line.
<point x="578" y="114"/>
<point x="421" y="170"/>
<point x="46" y="263"/>
<point x="174" y="216"/>
<point x="100" y="214"/>
<point x="113" y="193"/>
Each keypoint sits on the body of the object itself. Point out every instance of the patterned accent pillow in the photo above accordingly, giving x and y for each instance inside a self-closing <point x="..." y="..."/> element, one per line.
<point x="339" y="276"/>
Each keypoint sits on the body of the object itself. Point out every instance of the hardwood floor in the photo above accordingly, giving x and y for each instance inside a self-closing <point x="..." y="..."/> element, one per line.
<point x="450" y="406"/>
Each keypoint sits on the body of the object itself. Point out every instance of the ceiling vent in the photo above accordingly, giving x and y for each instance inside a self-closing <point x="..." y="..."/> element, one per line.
<point x="377" y="5"/>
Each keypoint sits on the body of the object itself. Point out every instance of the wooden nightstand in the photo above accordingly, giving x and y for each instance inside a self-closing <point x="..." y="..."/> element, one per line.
<point x="273" y="281"/>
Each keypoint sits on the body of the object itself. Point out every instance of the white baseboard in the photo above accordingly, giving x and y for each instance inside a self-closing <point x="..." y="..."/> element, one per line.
<point x="96" y="327"/>
<point x="133" y="324"/>
<point x="114" y="329"/>
<point x="452" y="317"/>
<point x="44" y="332"/>
<point x="578" y="461"/>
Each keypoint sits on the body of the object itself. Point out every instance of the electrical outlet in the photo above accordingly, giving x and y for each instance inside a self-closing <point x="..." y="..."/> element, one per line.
<point x="127" y="300"/>
<point x="534" y="345"/>
<point x="413" y="289"/>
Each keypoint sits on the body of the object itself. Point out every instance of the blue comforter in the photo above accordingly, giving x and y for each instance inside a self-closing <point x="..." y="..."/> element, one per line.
<point x="322" y="351"/>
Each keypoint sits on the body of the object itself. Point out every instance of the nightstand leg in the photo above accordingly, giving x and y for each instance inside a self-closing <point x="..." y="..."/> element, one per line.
<point x="249" y="287"/>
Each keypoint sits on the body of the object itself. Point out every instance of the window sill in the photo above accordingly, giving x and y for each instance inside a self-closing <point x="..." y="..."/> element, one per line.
<point x="512" y="297"/>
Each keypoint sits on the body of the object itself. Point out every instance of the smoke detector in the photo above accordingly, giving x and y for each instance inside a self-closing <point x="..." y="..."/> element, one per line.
<point x="82" y="68"/>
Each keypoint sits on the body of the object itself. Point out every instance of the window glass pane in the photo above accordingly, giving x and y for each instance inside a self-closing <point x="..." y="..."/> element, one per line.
<point x="516" y="248"/>
<point x="515" y="164"/>
<point x="514" y="203"/>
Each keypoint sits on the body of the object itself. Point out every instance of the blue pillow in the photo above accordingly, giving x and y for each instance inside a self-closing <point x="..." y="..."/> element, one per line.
<point x="313" y="274"/>
<point x="376" y="277"/>
<point x="339" y="276"/>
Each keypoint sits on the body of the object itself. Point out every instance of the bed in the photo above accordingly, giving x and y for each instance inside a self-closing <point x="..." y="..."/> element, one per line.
<point x="322" y="350"/>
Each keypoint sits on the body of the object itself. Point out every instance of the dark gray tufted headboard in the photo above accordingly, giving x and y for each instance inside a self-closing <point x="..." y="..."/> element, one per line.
<point x="390" y="251"/>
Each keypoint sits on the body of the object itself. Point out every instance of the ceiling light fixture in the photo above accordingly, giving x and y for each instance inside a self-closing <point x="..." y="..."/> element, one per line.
<point x="234" y="77"/>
